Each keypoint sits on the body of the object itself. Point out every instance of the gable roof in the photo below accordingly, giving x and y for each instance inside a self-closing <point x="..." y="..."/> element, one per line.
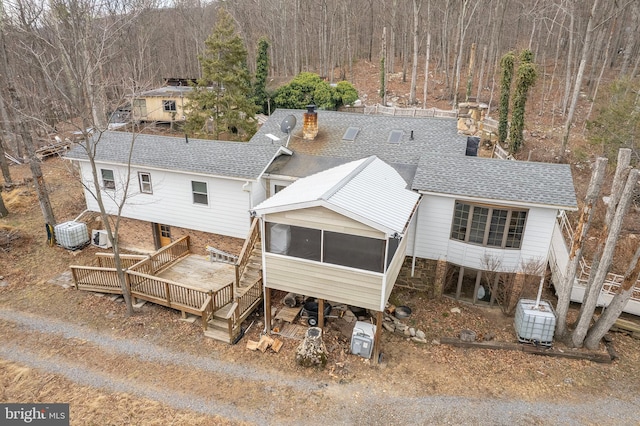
<point x="226" y="159"/>
<point x="367" y="190"/>
<point x="494" y="179"/>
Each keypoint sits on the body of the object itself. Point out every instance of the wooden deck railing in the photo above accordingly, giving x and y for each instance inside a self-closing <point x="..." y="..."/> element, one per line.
<point x="222" y="296"/>
<point x="167" y="293"/>
<point x="248" y="299"/>
<point x="96" y="278"/>
<point x="247" y="248"/>
<point x="107" y="260"/>
<point x="168" y="255"/>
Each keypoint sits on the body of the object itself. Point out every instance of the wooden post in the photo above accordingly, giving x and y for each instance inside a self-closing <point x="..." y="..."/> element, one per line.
<point x="378" y="336"/>
<point x="267" y="309"/>
<point x="460" y="277"/>
<point x="476" y="287"/>
<point x="320" y="313"/>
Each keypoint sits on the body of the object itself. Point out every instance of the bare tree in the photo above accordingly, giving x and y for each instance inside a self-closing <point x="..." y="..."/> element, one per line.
<point x="617" y="304"/>
<point x="577" y="245"/>
<point x="600" y="274"/>
<point x="586" y="51"/>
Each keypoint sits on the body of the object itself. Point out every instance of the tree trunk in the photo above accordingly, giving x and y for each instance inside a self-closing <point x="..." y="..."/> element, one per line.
<point x="617" y="304"/>
<point x="472" y="58"/>
<point x="589" y="306"/>
<point x="569" y="66"/>
<point x="481" y="75"/>
<point x="604" y="65"/>
<point x="632" y="32"/>
<point x="3" y="209"/>
<point x="426" y="70"/>
<point x="575" y="254"/>
<point x="414" y="64"/>
<point x="586" y="50"/>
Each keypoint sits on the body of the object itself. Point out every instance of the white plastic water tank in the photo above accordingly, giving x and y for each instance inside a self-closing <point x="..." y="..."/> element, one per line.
<point x="535" y="324"/>
<point x="71" y="235"/>
<point x="362" y="339"/>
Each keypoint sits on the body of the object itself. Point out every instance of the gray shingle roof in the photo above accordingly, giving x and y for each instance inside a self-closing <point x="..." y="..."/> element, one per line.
<point x="429" y="134"/>
<point x="229" y="159"/>
<point x="495" y="179"/>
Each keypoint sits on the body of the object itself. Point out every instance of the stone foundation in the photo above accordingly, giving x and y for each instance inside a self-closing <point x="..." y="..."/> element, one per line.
<point x="424" y="278"/>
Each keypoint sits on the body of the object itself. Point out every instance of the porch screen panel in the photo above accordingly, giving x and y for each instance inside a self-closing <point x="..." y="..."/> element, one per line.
<point x="295" y="241"/>
<point x="305" y="243"/>
<point x="354" y="251"/>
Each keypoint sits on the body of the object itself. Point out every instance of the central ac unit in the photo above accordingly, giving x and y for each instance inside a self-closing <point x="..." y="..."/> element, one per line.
<point x="100" y="238"/>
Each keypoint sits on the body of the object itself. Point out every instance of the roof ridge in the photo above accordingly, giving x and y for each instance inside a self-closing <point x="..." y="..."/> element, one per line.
<point x="347" y="178"/>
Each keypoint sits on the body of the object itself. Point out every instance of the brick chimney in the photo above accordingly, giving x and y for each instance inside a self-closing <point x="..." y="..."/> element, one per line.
<point x="310" y="127"/>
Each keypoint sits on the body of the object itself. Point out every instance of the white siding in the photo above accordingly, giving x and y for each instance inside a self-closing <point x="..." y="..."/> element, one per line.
<point x="258" y="192"/>
<point x="434" y="228"/>
<point x="324" y="281"/>
<point x="172" y="202"/>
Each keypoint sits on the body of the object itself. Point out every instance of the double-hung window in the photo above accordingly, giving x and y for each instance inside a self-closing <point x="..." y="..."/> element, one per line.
<point x="108" y="181"/>
<point x="145" y="183"/>
<point x="488" y="226"/>
<point x="199" y="191"/>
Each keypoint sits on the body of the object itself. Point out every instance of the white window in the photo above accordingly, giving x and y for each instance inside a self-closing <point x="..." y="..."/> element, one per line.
<point x="108" y="181"/>
<point x="199" y="190"/>
<point x="488" y="226"/>
<point x="145" y="183"/>
<point x="169" y="106"/>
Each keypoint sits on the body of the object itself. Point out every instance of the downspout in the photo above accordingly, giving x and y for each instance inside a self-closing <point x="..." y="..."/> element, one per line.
<point x="415" y="238"/>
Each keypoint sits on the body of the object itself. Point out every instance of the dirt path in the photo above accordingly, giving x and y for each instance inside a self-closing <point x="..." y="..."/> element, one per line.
<point x="112" y="380"/>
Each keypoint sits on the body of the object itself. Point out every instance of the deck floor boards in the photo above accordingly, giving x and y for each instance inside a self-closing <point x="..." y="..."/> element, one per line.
<point x="197" y="271"/>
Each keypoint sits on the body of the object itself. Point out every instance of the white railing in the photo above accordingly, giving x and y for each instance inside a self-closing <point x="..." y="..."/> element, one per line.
<point x="410" y="112"/>
<point x="558" y="261"/>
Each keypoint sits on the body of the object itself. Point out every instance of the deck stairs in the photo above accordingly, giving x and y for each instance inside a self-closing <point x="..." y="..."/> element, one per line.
<point x="225" y="323"/>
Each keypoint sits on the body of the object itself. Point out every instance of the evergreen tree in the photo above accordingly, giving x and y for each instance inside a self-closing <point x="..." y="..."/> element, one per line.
<point x="262" y="72"/>
<point x="224" y="93"/>
<point x="506" y="63"/>
<point x="308" y="88"/>
<point x="526" y="78"/>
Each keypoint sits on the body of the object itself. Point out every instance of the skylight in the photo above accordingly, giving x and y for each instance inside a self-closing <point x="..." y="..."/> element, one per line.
<point x="395" y="136"/>
<point x="351" y="134"/>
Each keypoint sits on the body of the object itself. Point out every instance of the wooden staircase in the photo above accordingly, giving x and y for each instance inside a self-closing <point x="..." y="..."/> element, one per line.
<point x="225" y="323"/>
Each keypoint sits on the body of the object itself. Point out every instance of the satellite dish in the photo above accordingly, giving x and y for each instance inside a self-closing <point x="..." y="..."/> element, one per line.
<point x="288" y="124"/>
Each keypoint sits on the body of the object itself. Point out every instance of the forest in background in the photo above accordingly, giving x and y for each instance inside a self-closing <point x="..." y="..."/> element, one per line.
<point x="66" y="57"/>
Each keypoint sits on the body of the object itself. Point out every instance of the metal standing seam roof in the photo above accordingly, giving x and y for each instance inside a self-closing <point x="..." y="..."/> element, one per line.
<point x="495" y="179"/>
<point x="217" y="158"/>
<point x="367" y="190"/>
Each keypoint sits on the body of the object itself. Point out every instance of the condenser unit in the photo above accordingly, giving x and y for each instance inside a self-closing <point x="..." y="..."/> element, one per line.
<point x="100" y="238"/>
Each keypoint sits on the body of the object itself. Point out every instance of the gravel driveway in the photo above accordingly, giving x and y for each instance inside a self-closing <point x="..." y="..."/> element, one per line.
<point x="293" y="399"/>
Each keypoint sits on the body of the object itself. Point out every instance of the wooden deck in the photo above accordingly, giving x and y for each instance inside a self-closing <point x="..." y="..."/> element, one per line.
<point x="197" y="271"/>
<point x="222" y="294"/>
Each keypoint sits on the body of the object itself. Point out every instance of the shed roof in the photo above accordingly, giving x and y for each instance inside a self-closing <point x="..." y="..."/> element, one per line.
<point x="166" y="91"/>
<point x="217" y="158"/>
<point x="367" y="190"/>
<point x="494" y="179"/>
